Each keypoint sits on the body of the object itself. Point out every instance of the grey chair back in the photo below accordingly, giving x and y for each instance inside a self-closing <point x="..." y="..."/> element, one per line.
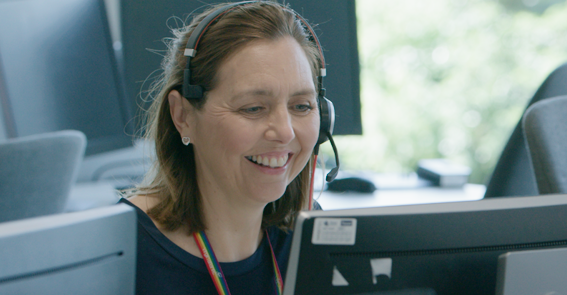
<point x="545" y="130"/>
<point x="37" y="172"/>
<point x="512" y="174"/>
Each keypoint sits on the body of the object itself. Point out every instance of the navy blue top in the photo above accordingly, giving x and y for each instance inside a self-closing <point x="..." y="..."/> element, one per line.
<point x="164" y="268"/>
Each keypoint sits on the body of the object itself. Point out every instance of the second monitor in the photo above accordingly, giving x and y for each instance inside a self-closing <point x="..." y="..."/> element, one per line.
<point x="448" y="248"/>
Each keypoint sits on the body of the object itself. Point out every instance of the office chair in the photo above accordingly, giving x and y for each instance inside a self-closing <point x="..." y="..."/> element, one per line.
<point x="513" y="175"/>
<point x="37" y="173"/>
<point x="545" y="130"/>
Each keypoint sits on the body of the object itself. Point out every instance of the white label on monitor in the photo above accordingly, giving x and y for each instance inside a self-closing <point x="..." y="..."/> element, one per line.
<point x="334" y="231"/>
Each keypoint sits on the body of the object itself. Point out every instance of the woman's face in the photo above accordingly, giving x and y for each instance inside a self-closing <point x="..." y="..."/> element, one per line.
<point x="257" y="130"/>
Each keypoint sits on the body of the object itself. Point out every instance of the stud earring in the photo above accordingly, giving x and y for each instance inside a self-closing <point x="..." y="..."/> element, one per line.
<point x="186" y="140"/>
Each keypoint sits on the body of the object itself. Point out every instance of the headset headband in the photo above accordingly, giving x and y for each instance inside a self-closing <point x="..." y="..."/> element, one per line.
<point x="196" y="91"/>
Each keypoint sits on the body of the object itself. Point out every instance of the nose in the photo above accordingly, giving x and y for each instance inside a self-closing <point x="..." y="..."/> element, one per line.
<point x="280" y="126"/>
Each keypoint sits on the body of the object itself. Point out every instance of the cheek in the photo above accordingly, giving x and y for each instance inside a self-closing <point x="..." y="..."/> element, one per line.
<point x="308" y="132"/>
<point x="236" y="136"/>
<point x="312" y="130"/>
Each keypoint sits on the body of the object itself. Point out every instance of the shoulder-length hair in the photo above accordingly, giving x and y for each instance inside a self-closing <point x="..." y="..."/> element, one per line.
<point x="173" y="177"/>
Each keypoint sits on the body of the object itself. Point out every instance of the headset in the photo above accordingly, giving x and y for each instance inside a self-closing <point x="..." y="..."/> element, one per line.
<point x="326" y="107"/>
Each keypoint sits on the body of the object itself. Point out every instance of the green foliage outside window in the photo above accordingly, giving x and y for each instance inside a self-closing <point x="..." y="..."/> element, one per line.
<point x="447" y="79"/>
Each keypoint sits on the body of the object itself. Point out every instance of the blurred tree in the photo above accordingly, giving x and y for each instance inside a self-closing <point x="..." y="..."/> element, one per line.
<point x="446" y="78"/>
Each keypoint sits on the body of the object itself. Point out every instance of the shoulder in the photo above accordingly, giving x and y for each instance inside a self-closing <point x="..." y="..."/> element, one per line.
<point x="144" y="202"/>
<point x="141" y="208"/>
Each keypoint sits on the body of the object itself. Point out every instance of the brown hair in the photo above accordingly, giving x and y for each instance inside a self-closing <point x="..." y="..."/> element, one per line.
<point x="173" y="178"/>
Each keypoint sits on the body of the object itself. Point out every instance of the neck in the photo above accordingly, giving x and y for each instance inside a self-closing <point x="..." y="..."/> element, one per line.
<point x="233" y="231"/>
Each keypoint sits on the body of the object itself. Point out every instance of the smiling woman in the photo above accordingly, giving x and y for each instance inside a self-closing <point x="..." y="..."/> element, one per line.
<point x="234" y="133"/>
<point x="263" y="107"/>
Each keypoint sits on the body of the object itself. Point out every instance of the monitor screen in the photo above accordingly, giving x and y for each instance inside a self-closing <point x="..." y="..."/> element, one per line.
<point x="443" y="249"/>
<point x="88" y="252"/>
<point x="58" y="71"/>
<point x="145" y="24"/>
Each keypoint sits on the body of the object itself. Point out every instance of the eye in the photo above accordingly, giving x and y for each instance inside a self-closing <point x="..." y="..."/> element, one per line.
<point x="252" y="110"/>
<point x="302" y="108"/>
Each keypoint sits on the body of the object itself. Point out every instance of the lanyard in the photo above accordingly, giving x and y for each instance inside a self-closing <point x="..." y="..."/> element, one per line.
<point x="215" y="270"/>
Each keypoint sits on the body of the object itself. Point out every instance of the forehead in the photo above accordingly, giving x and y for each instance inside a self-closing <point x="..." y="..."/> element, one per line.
<point x="263" y="64"/>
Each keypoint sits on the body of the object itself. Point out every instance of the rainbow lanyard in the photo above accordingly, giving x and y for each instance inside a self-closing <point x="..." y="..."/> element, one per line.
<point x="215" y="270"/>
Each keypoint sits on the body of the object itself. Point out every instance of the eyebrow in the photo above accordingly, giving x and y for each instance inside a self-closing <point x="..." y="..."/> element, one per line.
<point x="309" y="91"/>
<point x="269" y="93"/>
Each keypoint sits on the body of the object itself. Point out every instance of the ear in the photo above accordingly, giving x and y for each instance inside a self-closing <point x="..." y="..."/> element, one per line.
<point x="180" y="110"/>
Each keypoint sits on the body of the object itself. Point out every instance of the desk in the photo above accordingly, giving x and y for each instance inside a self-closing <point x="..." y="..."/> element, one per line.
<point x="98" y="194"/>
<point x="99" y="175"/>
<point x="393" y="197"/>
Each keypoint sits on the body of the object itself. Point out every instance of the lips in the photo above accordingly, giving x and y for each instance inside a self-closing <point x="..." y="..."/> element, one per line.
<point x="269" y="161"/>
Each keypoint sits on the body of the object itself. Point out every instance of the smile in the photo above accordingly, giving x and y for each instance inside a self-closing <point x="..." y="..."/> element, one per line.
<point x="272" y="162"/>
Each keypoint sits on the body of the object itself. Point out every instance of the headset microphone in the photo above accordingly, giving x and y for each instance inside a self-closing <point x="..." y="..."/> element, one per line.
<point x="327" y="112"/>
<point x="333" y="173"/>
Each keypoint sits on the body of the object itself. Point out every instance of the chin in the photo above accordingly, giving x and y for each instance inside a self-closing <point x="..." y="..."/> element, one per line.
<point x="271" y="194"/>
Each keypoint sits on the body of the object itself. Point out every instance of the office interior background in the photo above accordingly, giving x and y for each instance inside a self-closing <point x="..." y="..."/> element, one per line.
<point x="442" y="78"/>
<point x="449" y="79"/>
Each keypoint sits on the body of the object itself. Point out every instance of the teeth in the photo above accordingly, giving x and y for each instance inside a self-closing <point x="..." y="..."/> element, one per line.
<point x="271" y="162"/>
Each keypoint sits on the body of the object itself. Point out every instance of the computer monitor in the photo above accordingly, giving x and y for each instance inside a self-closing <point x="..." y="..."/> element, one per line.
<point x="145" y="23"/>
<point x="88" y="252"/>
<point x="58" y="71"/>
<point x="447" y="248"/>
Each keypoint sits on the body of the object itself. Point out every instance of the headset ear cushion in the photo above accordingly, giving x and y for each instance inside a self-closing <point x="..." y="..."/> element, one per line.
<point x="193" y="91"/>
<point x="327" y="115"/>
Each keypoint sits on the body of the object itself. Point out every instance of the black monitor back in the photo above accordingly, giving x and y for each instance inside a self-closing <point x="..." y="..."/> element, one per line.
<point x="144" y="26"/>
<point x="449" y="248"/>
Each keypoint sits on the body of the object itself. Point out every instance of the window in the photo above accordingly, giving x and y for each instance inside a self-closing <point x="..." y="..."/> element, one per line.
<point x="448" y="79"/>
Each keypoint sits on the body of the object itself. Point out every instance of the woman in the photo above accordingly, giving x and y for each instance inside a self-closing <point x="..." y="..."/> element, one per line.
<point x="233" y="166"/>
